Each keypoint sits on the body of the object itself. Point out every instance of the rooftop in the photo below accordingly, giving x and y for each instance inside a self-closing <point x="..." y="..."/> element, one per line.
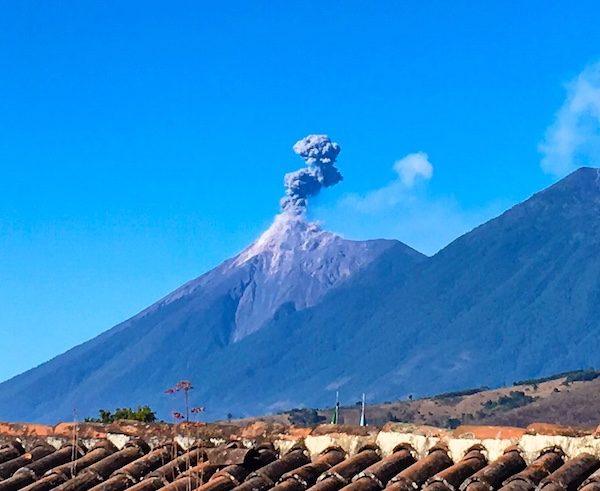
<point x="263" y="456"/>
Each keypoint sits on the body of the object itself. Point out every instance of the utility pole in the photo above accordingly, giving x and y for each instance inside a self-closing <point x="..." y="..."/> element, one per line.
<point x="363" y="421"/>
<point x="335" y="418"/>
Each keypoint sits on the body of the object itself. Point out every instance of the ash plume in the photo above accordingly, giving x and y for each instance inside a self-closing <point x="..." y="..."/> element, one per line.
<point x="319" y="153"/>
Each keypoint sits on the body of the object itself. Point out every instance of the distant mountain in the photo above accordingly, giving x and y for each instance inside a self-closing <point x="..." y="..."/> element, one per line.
<point x="291" y="266"/>
<point x="303" y="313"/>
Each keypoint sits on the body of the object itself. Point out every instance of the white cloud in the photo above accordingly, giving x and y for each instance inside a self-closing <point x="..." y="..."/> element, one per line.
<point x="412" y="166"/>
<point x="407" y="169"/>
<point x="573" y="139"/>
<point x="405" y="211"/>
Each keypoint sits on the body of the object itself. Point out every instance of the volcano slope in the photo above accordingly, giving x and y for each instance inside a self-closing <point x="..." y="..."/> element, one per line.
<point x="188" y="334"/>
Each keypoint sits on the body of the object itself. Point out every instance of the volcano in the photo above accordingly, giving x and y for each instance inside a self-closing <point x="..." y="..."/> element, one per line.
<point x="290" y="267"/>
<point x="302" y="313"/>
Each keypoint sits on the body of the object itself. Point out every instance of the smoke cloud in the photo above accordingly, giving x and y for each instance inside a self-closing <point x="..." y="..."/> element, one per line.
<point x="573" y="140"/>
<point x="412" y="167"/>
<point x="319" y="154"/>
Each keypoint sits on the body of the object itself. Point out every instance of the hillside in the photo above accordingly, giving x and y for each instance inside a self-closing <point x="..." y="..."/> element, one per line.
<point x="569" y="399"/>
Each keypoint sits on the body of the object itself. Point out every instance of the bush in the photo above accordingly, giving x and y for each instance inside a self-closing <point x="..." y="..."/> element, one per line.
<point x="582" y="376"/>
<point x="514" y="399"/>
<point x="453" y="423"/>
<point x="572" y="376"/>
<point x="142" y="413"/>
<point x="305" y="417"/>
<point x="460" y="393"/>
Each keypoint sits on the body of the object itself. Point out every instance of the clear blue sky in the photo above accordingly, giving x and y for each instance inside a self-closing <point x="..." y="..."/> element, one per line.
<point x="141" y="143"/>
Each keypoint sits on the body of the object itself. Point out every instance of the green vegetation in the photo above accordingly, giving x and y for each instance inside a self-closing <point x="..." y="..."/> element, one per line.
<point x="305" y="417"/>
<point x="142" y="413"/>
<point x="460" y="393"/>
<point x="453" y="423"/>
<point x="571" y="376"/>
<point x="582" y="376"/>
<point x="514" y="399"/>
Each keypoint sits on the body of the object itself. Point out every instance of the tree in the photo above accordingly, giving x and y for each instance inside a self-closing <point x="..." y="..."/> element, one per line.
<point x="142" y="413"/>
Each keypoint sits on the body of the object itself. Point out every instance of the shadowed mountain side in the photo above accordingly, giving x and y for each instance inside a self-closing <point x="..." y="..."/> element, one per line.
<point x="516" y="297"/>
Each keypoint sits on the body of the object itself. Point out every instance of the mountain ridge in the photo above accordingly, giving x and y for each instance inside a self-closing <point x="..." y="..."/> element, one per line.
<point x="516" y="297"/>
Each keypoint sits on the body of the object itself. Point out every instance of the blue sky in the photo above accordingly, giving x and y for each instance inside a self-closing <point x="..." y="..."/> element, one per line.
<point x="141" y="143"/>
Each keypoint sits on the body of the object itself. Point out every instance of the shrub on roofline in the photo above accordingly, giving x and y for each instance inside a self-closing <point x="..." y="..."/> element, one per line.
<point x="142" y="413"/>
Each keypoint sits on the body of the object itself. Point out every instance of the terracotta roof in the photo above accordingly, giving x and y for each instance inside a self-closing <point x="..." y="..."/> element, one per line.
<point x="329" y="458"/>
